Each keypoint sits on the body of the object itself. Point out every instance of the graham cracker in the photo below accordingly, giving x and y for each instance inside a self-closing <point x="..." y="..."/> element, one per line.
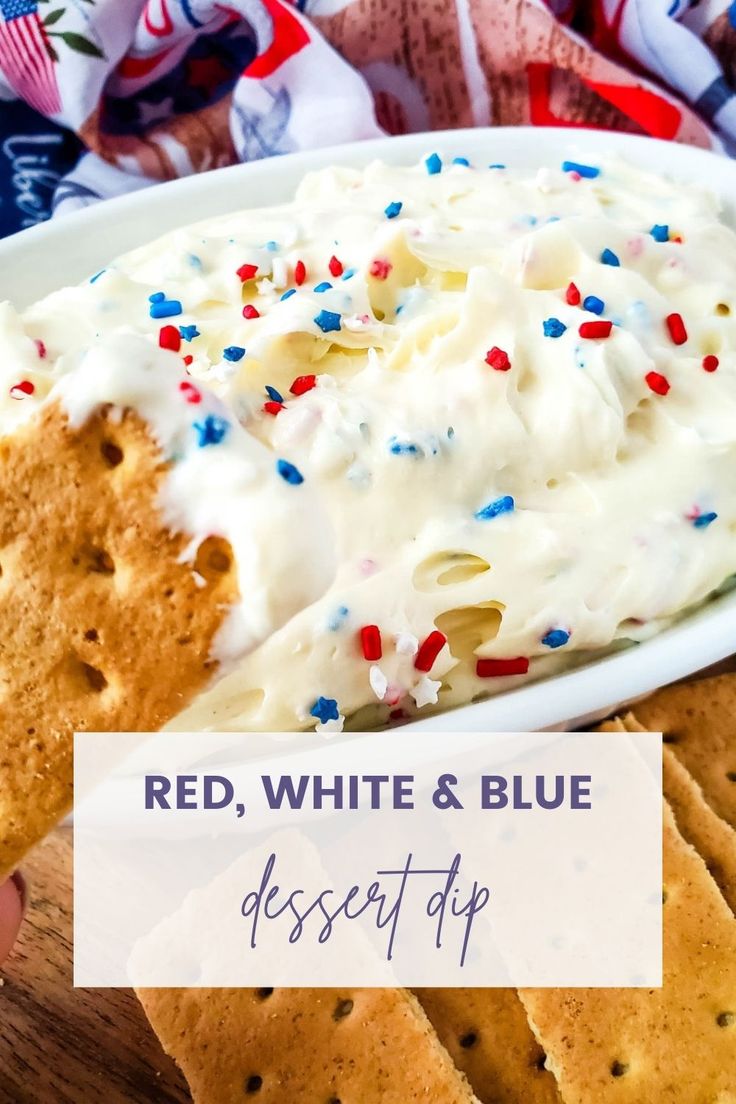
<point x="674" y="1044"/>
<point x="101" y="626"/>
<point x="698" y="720"/>
<point x="712" y="837"/>
<point x="487" y="1034"/>
<point x="304" y="1046"/>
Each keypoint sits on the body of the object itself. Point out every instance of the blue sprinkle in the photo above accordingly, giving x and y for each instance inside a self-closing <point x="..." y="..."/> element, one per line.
<point x="272" y="246"/>
<point x="588" y="171"/>
<point x="433" y="164"/>
<point x="450" y="433"/>
<point x="503" y="505"/>
<point x="497" y="165"/>
<point x="393" y="209"/>
<point x="552" y="327"/>
<point x="211" y="431"/>
<point x="402" y="448"/>
<point x="288" y="294"/>
<point x="194" y="260"/>
<point x="273" y="394"/>
<point x="593" y="304"/>
<point x="325" y="709"/>
<point x="288" y="472"/>
<point x="188" y="333"/>
<point x="348" y="274"/>
<point x="555" y="638"/>
<point x="157" y="297"/>
<point x="95" y="278"/>
<point x="732" y="14"/>
<point x="324" y="286"/>
<point x="461" y="161"/>
<point x="609" y="257"/>
<point x="702" y="521"/>
<point x="660" y="233"/>
<point x="337" y="619"/>
<point x="165" y="308"/>
<point x="234" y="352"/>
<point x="327" y="321"/>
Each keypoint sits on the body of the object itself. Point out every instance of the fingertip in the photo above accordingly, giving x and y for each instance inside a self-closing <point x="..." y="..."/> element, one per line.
<point x="11" y="913"/>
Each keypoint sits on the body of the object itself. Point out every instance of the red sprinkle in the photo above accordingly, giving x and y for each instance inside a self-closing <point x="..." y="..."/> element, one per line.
<point x="498" y="359"/>
<point x="302" y="384"/>
<point x="22" y="389"/>
<point x="170" y="338"/>
<point x="593" y="330"/>
<point x="187" y="359"/>
<point x="497" y="668"/>
<point x="273" y="407"/>
<point x="710" y="363"/>
<point x="40" y="347"/>
<point x="249" y="311"/>
<point x="429" y="649"/>
<point x="660" y="385"/>
<point x="300" y="273"/>
<point x="247" y="272"/>
<point x="676" y="326"/>
<point x="572" y="295"/>
<point x="335" y="266"/>
<point x="191" y="393"/>
<point x="380" y="268"/>
<point x="370" y="642"/>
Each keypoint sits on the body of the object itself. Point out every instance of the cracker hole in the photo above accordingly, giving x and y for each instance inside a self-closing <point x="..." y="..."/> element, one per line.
<point x="253" y="1083"/>
<point x="665" y="895"/>
<point x="112" y="453"/>
<point x="30" y="732"/>
<point x="92" y="635"/>
<point x="670" y="738"/>
<point x="468" y="1040"/>
<point x="343" y="1008"/>
<point x="722" y="309"/>
<point x="618" y="1069"/>
<point x="726" y="1019"/>
<point x="541" y="1062"/>
<point x="263" y="994"/>
<point x="213" y="557"/>
<point x="334" y="1100"/>
<point x="731" y="775"/>
<point x="95" y="678"/>
<point x="94" y="559"/>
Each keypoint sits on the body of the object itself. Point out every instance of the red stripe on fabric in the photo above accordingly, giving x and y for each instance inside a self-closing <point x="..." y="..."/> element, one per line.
<point x="654" y="114"/>
<point x="289" y="37"/>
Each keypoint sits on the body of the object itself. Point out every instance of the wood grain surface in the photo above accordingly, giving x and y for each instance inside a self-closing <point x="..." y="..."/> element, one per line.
<point x="60" y="1045"/>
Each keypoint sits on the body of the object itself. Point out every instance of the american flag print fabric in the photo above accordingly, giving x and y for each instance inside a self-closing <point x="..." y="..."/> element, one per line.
<point x="26" y="56"/>
<point x="154" y="89"/>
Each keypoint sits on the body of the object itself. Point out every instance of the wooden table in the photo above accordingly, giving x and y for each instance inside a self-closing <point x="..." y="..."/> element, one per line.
<point x="60" y="1045"/>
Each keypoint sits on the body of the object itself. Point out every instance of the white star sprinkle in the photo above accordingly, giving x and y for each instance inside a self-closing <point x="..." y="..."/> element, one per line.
<point x="425" y="692"/>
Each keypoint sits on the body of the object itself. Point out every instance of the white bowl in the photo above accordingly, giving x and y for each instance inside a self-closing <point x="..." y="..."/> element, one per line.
<point x="46" y="257"/>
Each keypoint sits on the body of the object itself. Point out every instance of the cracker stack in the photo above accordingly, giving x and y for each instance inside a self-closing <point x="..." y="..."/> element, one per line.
<point x="293" y="1046"/>
<point x="539" y="1046"/>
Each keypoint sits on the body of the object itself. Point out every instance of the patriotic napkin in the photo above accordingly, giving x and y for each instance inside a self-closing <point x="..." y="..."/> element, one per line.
<point x="101" y="96"/>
